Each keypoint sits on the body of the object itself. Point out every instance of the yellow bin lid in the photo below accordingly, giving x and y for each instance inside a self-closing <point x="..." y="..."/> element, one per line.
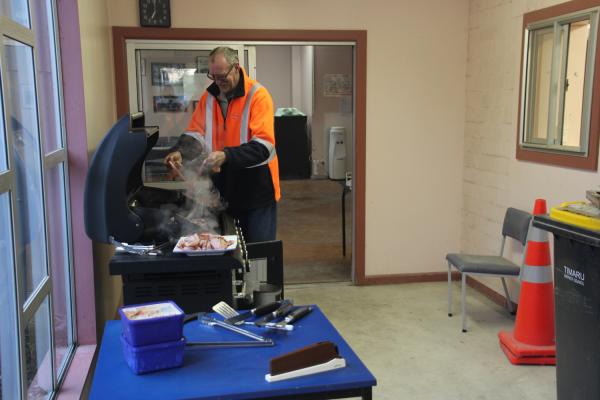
<point x="561" y="213"/>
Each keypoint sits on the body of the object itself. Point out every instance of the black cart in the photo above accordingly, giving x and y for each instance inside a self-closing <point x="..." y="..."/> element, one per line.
<point x="577" y="302"/>
<point x="194" y="283"/>
<point x="293" y="146"/>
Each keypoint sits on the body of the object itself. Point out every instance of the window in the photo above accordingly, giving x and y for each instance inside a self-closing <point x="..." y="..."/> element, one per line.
<point x="558" y="119"/>
<point x="38" y="337"/>
<point x="166" y="80"/>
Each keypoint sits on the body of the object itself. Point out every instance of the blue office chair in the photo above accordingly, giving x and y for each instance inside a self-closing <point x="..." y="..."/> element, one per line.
<point x="516" y="225"/>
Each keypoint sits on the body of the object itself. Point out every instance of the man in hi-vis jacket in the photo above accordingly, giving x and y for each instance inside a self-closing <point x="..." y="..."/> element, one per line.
<point x="234" y="120"/>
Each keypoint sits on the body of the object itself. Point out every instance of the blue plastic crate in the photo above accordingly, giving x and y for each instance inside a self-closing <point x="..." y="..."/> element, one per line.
<point x="151" y="323"/>
<point x="144" y="359"/>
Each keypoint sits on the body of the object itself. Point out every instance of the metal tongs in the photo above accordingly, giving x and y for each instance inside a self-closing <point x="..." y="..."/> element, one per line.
<point x="139" y="249"/>
<point x="258" y="340"/>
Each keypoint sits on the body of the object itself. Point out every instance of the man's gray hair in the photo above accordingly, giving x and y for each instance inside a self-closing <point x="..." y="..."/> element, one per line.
<point x="230" y="54"/>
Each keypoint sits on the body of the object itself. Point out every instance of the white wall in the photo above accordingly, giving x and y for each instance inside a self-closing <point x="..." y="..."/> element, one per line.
<point x="419" y="130"/>
<point x="302" y="79"/>
<point x="493" y="178"/>
<point x="303" y="83"/>
<point x="274" y="71"/>
<point x="96" y="51"/>
<point x="331" y="110"/>
<point x="416" y="62"/>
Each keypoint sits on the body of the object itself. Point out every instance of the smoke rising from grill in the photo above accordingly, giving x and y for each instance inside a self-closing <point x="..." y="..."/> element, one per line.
<point x="199" y="188"/>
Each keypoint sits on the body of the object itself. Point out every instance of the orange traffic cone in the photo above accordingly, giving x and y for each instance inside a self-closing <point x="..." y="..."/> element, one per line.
<point x="533" y="341"/>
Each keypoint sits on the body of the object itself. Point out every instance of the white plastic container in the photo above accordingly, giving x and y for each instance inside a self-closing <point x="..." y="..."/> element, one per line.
<point x="337" y="152"/>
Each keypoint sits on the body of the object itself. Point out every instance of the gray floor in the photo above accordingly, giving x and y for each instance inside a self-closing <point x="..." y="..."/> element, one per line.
<point x="404" y="336"/>
<point x="309" y="222"/>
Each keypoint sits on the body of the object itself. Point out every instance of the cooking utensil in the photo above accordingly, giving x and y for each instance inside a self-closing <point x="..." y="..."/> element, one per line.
<point x="285" y="307"/>
<point x="213" y="345"/>
<point x="212" y="321"/>
<point x="258" y="311"/>
<point x="297" y="314"/>
<point x="225" y="310"/>
<point x="139" y="249"/>
<point x="177" y="171"/>
<point x="281" y="326"/>
<point x="289" y="319"/>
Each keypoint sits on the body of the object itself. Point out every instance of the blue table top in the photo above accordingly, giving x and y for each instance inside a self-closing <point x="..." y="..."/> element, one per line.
<point x="232" y="373"/>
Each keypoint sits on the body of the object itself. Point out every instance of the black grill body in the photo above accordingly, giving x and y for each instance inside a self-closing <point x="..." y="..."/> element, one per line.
<point x="118" y="205"/>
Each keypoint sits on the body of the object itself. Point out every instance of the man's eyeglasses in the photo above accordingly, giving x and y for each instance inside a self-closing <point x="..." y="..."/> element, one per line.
<point x="220" y="77"/>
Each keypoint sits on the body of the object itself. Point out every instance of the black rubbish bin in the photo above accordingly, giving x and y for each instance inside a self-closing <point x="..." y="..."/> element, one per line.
<point x="293" y="146"/>
<point x="577" y="303"/>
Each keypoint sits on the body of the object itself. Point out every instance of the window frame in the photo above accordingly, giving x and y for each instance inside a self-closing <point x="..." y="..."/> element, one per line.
<point x="27" y="305"/>
<point x="69" y="38"/>
<point x="73" y="156"/>
<point x="562" y="155"/>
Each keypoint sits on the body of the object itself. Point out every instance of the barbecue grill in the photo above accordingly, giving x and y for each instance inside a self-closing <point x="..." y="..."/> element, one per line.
<point x="117" y="204"/>
<point x="120" y="210"/>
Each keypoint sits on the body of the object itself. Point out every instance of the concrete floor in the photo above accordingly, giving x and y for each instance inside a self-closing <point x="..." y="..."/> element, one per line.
<point x="404" y="336"/>
<point x="309" y="222"/>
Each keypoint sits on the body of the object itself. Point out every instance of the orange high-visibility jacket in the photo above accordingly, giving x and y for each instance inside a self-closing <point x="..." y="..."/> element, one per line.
<point x="250" y="175"/>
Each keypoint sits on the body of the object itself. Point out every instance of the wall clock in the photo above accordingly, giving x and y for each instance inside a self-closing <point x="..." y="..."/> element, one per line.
<point x="155" y="13"/>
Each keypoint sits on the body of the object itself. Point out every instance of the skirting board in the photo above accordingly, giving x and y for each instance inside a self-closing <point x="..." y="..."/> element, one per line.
<point x="408" y="278"/>
<point x="435" y="277"/>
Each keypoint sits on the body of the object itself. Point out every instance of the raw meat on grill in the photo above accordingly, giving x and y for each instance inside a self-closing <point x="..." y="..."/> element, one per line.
<point x="204" y="241"/>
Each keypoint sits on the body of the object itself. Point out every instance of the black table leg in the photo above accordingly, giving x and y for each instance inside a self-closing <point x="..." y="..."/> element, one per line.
<point x="367" y="393"/>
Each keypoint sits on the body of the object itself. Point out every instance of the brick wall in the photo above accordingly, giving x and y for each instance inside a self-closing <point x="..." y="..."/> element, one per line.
<point x="493" y="179"/>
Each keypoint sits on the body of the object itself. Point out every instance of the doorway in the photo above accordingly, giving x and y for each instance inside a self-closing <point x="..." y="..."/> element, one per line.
<point x="311" y="86"/>
<point x="263" y="37"/>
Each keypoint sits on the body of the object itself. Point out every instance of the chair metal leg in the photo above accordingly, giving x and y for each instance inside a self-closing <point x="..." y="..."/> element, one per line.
<point x="464" y="301"/>
<point x="449" y="289"/>
<point x="508" y="301"/>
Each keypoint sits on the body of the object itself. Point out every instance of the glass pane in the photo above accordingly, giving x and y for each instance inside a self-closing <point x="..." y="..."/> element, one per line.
<point x="37" y="354"/>
<point x="30" y="235"/>
<point x="539" y="80"/>
<point x="3" y="164"/>
<point x="574" y="83"/>
<point x="46" y="65"/>
<point x="170" y="83"/>
<point x="9" y="357"/>
<point x="17" y="10"/>
<point x="59" y="262"/>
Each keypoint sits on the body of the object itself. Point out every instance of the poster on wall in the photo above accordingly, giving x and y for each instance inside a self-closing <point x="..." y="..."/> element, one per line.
<point x="169" y="103"/>
<point x="202" y="64"/>
<point x="337" y="85"/>
<point x="167" y="74"/>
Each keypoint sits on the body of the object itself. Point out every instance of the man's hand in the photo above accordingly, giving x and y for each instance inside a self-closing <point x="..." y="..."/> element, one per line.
<point x="214" y="161"/>
<point x="174" y="163"/>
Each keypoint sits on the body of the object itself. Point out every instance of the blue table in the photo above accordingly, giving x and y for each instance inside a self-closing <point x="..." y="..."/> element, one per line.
<point x="232" y="373"/>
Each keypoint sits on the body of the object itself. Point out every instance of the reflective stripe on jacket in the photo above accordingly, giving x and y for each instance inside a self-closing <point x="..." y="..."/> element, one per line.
<point x="246" y="135"/>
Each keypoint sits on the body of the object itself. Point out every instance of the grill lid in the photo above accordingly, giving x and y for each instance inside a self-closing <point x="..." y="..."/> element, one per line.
<point x="114" y="175"/>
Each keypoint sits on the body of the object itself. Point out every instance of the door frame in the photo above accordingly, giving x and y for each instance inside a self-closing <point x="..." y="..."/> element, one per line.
<point x="358" y="37"/>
